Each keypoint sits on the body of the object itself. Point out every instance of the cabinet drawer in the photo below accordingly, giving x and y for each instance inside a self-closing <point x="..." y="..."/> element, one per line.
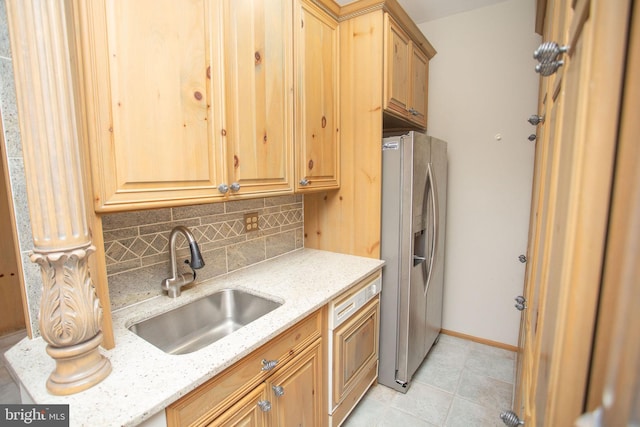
<point x="210" y="399"/>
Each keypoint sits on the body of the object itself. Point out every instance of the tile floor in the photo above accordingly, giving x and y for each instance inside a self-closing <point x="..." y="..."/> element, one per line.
<point x="9" y="392"/>
<point x="460" y="383"/>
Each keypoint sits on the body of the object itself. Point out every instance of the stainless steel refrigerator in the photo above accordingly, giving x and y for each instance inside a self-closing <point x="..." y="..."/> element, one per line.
<point x="414" y="191"/>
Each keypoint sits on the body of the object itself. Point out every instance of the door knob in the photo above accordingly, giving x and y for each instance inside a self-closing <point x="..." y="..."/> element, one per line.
<point x="510" y="419"/>
<point x="532" y="137"/>
<point x="520" y="299"/>
<point x="522" y="258"/>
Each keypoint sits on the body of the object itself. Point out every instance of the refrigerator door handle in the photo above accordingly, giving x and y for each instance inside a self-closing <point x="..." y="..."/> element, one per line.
<point x="434" y="224"/>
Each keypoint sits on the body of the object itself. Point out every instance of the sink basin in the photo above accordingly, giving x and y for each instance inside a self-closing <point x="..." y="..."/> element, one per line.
<point x="204" y="321"/>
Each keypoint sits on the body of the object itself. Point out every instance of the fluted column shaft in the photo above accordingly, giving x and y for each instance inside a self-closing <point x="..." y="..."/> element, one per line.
<point x="44" y="57"/>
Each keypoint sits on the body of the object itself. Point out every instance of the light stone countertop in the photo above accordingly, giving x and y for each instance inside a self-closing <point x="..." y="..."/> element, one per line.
<point x="145" y="380"/>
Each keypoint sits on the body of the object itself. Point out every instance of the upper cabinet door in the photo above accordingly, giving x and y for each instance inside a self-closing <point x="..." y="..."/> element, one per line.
<point x="257" y="132"/>
<point x="317" y="95"/>
<point x="418" y="94"/>
<point x="397" y="56"/>
<point x="406" y="74"/>
<point x="148" y="102"/>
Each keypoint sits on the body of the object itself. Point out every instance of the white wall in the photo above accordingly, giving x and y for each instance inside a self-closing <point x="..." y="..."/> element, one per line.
<point x="482" y="84"/>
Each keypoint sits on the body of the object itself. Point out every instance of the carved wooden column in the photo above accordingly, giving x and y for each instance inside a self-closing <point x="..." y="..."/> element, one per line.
<point x="44" y="57"/>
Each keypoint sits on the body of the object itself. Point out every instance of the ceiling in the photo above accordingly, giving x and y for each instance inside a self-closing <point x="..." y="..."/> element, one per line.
<point x="428" y="10"/>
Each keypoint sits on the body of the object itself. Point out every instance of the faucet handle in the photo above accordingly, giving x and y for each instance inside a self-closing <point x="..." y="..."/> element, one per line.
<point x="196" y="257"/>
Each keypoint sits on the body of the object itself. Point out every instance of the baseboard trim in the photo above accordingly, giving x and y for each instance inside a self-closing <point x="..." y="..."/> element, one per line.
<point x="480" y="340"/>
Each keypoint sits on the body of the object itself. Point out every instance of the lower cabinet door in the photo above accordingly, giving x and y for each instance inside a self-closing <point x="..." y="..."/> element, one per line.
<point x="296" y="391"/>
<point x="355" y="347"/>
<point x="250" y="411"/>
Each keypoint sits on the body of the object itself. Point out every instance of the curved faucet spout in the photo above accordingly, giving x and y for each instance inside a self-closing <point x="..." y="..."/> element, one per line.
<point x="174" y="283"/>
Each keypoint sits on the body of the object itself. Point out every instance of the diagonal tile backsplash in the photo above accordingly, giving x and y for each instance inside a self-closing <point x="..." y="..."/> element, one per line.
<point x="137" y="243"/>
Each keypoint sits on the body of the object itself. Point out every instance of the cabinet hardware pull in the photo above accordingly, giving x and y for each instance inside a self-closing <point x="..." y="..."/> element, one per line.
<point x="547" y="68"/>
<point x="265" y="405"/>
<point x="536" y="119"/>
<point x="549" y="51"/>
<point x="304" y="182"/>
<point x="532" y="137"/>
<point x="522" y="258"/>
<point x="278" y="390"/>
<point x="511" y="419"/>
<point x="223" y="188"/>
<point x="234" y="187"/>
<point x="268" y="365"/>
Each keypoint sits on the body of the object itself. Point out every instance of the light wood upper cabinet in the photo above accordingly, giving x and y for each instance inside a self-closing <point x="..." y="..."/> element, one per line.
<point x="184" y="98"/>
<point x="148" y="102"/>
<point x="406" y="69"/>
<point x="317" y="112"/>
<point x="257" y="132"/>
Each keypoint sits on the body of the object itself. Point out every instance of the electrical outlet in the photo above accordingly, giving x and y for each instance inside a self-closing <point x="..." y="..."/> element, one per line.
<point x="251" y="222"/>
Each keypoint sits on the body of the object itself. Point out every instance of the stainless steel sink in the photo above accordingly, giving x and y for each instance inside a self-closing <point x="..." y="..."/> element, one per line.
<point x="204" y="321"/>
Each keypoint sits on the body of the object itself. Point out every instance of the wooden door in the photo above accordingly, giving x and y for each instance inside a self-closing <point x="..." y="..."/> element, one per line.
<point x="246" y="412"/>
<point x="11" y="303"/>
<point x="150" y="109"/>
<point x="614" y="385"/>
<point x="296" y="391"/>
<point x="258" y="130"/>
<point x="317" y="113"/>
<point x="573" y="201"/>
<point x="541" y="209"/>
<point x="419" y="79"/>
<point x="397" y="58"/>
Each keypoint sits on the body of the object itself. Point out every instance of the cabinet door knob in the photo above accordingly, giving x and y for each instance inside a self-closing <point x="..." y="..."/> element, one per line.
<point x="278" y="390"/>
<point x="268" y="365"/>
<point x="522" y="258"/>
<point x="265" y="405"/>
<point x="234" y="187"/>
<point x="223" y="188"/>
<point x="536" y="119"/>
<point x="547" y="68"/>
<point x="510" y="419"/>
<point x="304" y="182"/>
<point x="549" y="51"/>
<point x="520" y="299"/>
<point x="413" y="111"/>
<point x="532" y="137"/>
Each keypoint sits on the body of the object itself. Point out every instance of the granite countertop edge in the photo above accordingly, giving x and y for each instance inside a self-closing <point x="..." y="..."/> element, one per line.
<point x="137" y="388"/>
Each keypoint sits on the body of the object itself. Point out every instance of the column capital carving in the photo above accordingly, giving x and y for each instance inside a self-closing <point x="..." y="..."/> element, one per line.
<point x="70" y="310"/>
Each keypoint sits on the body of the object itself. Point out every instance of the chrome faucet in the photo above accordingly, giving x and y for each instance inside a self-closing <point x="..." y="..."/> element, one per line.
<point x="174" y="283"/>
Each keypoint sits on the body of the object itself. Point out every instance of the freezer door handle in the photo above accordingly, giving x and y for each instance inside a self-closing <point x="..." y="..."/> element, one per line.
<point x="418" y="260"/>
